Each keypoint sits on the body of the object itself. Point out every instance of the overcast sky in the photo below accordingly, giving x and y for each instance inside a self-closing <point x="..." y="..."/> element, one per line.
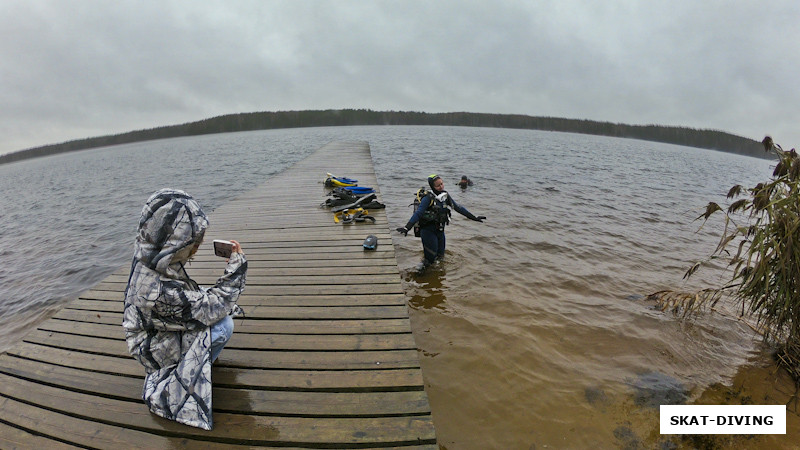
<point x="75" y="69"/>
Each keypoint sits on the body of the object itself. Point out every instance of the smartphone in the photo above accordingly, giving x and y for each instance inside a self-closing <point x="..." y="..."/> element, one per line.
<point x="223" y="248"/>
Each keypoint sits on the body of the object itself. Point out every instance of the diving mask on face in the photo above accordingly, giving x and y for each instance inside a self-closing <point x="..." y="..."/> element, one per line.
<point x="442" y="197"/>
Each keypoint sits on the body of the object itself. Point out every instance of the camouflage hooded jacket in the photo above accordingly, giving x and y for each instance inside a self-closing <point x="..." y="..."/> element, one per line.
<point x="168" y="316"/>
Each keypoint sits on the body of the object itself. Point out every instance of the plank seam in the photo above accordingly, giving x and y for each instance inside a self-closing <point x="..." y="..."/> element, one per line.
<point x="229" y="411"/>
<point x="40" y="434"/>
<point x="224" y="440"/>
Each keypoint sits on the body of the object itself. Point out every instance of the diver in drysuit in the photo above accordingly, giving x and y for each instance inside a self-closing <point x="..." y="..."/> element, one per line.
<point x="464" y="183"/>
<point x="433" y="215"/>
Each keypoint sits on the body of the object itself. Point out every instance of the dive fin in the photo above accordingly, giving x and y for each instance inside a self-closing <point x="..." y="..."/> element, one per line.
<point x="342" y="179"/>
<point x="356" y="204"/>
<point x="359" y="190"/>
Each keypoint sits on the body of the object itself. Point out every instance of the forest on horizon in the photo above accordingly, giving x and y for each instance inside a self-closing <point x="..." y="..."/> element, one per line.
<point x="706" y="139"/>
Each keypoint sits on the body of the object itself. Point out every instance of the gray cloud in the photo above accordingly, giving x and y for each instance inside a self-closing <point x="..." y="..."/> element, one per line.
<point x="70" y="70"/>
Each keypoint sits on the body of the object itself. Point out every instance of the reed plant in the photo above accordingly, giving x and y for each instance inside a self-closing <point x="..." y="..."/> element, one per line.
<point x="761" y="242"/>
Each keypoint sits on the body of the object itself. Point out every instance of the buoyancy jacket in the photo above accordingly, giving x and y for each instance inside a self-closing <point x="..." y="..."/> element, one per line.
<point x="167" y="316"/>
<point x="433" y="212"/>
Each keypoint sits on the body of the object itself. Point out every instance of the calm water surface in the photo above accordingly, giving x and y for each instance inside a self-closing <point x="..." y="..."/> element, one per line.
<point x="533" y="332"/>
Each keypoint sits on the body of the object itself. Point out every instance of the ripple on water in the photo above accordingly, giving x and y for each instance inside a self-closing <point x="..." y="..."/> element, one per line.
<point x="527" y="314"/>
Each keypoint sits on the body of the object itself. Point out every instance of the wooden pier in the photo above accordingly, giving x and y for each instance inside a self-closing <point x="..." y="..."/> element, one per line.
<point x="324" y="357"/>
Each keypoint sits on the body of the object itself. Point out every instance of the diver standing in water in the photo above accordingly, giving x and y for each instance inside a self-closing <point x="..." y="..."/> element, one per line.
<point x="433" y="215"/>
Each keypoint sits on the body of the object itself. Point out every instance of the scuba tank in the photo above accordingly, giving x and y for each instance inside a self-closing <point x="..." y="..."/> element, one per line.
<point x="421" y="193"/>
<point x="436" y="213"/>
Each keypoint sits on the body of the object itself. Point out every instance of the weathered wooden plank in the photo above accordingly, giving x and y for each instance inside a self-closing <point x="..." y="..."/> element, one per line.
<point x="278" y="312"/>
<point x="69" y="358"/>
<point x="296" y="263"/>
<point x="347" y="237"/>
<point x="275" y="238"/>
<point x="281" y="300"/>
<point x="211" y="274"/>
<point x="270" y="359"/>
<point x="340" y="249"/>
<point x="90" y="316"/>
<point x="385" y="380"/>
<point x="279" y="379"/>
<point x="345" y="234"/>
<point x="251" y="325"/>
<point x="293" y="259"/>
<point x="315" y="312"/>
<point x="107" y="331"/>
<point x="331" y="342"/>
<point x="91" y="433"/>
<point x="241" y="428"/>
<point x="214" y="269"/>
<point x="250" y="401"/>
<point x="324" y="326"/>
<point x="268" y="290"/>
<point x="321" y="360"/>
<point x="321" y="404"/>
<point x="211" y="270"/>
<point x="304" y="223"/>
<point x="276" y="242"/>
<point x="16" y="439"/>
<point x="89" y="344"/>
<point x="59" y="331"/>
<point x="119" y="283"/>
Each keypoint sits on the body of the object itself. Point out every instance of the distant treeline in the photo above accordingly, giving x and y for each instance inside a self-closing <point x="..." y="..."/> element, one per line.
<point x="708" y="139"/>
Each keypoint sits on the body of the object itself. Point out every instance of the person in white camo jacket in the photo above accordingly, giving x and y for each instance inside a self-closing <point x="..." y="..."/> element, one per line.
<point x="173" y="327"/>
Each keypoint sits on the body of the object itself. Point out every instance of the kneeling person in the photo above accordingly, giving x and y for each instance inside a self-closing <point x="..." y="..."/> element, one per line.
<point x="173" y="327"/>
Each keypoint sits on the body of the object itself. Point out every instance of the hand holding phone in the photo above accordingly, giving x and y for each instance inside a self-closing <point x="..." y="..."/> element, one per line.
<point x="223" y="248"/>
<point x="226" y="248"/>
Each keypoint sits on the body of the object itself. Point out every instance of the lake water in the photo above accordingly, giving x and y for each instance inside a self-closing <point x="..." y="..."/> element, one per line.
<point x="533" y="330"/>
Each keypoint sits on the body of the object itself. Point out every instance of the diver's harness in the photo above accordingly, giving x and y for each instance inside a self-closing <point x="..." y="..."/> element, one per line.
<point x="437" y="212"/>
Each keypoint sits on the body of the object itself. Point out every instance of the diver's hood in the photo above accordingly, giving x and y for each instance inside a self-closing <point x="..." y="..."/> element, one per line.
<point x="171" y="223"/>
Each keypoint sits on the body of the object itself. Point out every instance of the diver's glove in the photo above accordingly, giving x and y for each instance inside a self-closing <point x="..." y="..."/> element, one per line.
<point x="471" y="216"/>
<point x="402" y="230"/>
